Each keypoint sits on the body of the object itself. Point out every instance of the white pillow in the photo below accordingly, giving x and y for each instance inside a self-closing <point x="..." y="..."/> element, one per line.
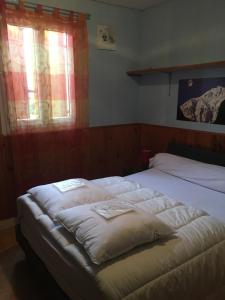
<point x="104" y="239"/>
<point x="207" y="175"/>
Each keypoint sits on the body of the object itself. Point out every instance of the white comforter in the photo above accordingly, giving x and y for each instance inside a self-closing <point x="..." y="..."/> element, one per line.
<point x="52" y="200"/>
<point x="189" y="266"/>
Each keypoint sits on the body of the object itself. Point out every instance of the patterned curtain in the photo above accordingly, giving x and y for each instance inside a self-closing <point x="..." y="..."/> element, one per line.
<point x="44" y="61"/>
<point x="43" y="95"/>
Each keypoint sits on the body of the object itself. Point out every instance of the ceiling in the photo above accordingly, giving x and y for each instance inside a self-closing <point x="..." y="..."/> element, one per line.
<point x="138" y="4"/>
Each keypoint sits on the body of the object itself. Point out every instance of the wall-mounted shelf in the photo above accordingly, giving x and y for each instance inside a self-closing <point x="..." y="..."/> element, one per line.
<point x="142" y="72"/>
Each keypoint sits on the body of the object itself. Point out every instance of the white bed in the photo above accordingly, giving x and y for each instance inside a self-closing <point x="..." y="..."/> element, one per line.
<point x="134" y="275"/>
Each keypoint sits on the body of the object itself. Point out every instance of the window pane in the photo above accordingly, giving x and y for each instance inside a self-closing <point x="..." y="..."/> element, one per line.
<point x="18" y="93"/>
<point x="23" y="72"/>
<point x="61" y="72"/>
<point x="31" y="69"/>
<point x="32" y="98"/>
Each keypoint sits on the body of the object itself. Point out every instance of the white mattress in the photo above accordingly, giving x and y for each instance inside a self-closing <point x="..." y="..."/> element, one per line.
<point x="65" y="259"/>
<point x="181" y="190"/>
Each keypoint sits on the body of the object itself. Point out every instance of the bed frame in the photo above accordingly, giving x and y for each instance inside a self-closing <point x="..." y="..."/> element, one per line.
<point x="39" y="267"/>
<point x="85" y="290"/>
<point x="199" y="154"/>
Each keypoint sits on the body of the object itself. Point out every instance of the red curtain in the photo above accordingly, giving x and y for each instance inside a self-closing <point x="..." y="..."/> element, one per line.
<point x="44" y="59"/>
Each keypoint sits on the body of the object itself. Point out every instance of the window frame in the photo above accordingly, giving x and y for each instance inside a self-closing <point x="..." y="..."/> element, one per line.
<point x="71" y="117"/>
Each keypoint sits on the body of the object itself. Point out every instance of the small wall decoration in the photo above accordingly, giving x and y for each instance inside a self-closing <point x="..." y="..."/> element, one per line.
<point x="105" y="38"/>
<point x="202" y="100"/>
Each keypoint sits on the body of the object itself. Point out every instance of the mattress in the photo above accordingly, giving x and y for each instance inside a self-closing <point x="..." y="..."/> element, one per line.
<point x="127" y="277"/>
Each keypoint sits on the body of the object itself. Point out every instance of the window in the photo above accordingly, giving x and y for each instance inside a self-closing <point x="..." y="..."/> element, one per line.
<point x="43" y="63"/>
<point x="44" y="69"/>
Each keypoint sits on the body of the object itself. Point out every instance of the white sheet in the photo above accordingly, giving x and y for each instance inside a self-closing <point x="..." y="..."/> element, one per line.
<point x="189" y="193"/>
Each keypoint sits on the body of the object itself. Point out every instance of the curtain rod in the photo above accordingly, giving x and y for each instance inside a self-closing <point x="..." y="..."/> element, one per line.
<point x="46" y="8"/>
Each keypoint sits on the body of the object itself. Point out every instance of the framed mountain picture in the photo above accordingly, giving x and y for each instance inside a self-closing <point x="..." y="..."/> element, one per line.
<point x="202" y="100"/>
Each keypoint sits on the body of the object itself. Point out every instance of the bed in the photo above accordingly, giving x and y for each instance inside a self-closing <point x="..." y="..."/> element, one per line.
<point x="150" y="271"/>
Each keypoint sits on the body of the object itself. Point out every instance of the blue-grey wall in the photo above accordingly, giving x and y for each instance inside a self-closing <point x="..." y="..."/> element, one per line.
<point x="112" y="95"/>
<point x="173" y="33"/>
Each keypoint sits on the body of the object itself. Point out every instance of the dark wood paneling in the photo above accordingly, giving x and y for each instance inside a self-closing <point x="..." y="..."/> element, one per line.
<point x="41" y="158"/>
<point x="7" y="191"/>
<point x="157" y="138"/>
<point x="113" y="150"/>
<point x="89" y="153"/>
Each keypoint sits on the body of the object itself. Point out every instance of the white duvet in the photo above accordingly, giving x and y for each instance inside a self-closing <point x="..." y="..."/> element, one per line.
<point x="189" y="266"/>
<point x="53" y="201"/>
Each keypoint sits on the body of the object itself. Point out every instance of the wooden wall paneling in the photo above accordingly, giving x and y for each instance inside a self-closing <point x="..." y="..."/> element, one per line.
<point x="131" y="149"/>
<point x="113" y="149"/>
<point x="65" y="157"/>
<point x="219" y="142"/>
<point x="90" y="153"/>
<point x="80" y="155"/>
<point x="26" y="167"/>
<point x="97" y="152"/>
<point x="123" y="148"/>
<point x="208" y="140"/>
<point x="153" y="138"/>
<point x="157" y="138"/>
<point x="7" y="190"/>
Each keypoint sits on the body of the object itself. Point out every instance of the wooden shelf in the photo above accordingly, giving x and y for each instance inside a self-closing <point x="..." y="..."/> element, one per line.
<point x="141" y="72"/>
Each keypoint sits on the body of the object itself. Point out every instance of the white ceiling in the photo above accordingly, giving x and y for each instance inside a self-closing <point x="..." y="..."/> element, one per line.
<point x="138" y="4"/>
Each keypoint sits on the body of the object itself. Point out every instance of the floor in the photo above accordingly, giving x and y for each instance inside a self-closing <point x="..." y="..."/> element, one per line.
<point x="17" y="280"/>
<point x="7" y="239"/>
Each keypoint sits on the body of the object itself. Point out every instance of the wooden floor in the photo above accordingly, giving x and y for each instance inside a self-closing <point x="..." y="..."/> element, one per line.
<point x="17" y="280"/>
<point x="7" y="239"/>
